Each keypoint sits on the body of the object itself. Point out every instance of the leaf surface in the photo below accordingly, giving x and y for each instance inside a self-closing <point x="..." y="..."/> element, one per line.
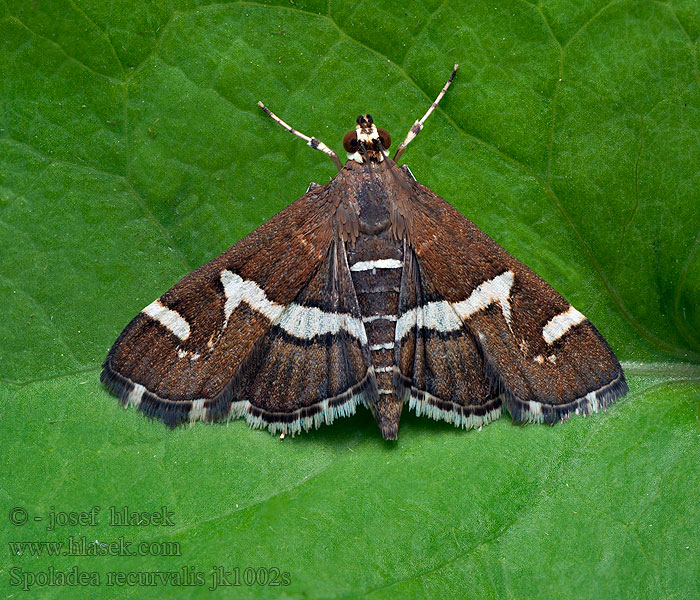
<point x="132" y="151"/>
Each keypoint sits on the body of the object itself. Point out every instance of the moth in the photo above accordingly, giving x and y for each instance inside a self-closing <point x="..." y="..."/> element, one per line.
<point x="370" y="290"/>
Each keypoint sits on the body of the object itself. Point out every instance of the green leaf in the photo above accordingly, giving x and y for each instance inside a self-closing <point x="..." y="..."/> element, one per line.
<point x="132" y="151"/>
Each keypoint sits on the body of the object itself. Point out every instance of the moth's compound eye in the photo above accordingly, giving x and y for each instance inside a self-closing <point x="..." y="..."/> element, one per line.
<point x="384" y="138"/>
<point x="350" y="141"/>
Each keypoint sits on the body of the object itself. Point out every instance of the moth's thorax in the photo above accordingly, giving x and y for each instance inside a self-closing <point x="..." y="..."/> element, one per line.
<point x="369" y="196"/>
<point x="373" y="205"/>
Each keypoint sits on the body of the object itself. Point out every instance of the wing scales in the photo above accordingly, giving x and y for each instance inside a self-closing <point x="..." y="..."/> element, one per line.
<point x="547" y="360"/>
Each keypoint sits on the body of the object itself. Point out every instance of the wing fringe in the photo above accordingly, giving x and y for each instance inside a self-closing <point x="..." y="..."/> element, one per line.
<point x="221" y="408"/>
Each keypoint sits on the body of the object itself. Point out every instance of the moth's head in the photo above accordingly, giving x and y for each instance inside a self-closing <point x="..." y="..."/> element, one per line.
<point x="366" y="142"/>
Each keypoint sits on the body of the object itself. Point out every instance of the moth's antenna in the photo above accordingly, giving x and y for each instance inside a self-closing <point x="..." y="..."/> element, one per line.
<point x="310" y="141"/>
<point x="418" y="125"/>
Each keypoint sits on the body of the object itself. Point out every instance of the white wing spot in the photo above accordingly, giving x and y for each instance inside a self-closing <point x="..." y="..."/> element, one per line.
<point x="238" y="290"/>
<point x="444" y="317"/>
<point x="439" y="316"/>
<point x="560" y="324"/>
<point x="300" y="321"/>
<point x="306" y="322"/>
<point x="493" y="290"/>
<point x="168" y="318"/>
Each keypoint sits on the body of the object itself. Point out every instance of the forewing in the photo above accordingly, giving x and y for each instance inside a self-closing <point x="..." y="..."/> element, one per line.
<point x="547" y="359"/>
<point x="177" y="358"/>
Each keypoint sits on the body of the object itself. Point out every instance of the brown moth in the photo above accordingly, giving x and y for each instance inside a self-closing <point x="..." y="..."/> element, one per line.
<point x="370" y="290"/>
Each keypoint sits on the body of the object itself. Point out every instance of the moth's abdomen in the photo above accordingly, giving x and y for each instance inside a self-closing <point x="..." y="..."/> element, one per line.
<point x="376" y="265"/>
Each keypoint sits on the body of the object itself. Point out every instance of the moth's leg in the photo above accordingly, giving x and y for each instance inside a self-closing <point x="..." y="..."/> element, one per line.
<point x="310" y="141"/>
<point x="312" y="185"/>
<point x="418" y="125"/>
